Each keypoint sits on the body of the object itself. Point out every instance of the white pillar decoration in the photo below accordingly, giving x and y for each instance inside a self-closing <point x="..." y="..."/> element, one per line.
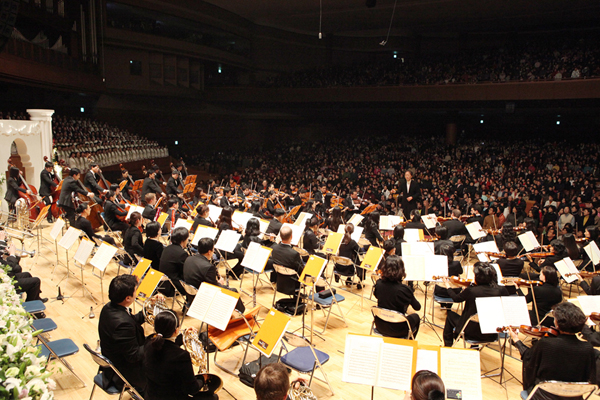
<point x="45" y="119"/>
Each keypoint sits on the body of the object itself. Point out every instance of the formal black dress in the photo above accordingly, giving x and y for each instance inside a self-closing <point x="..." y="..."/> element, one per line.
<point x="510" y="268"/>
<point x="171" y="264"/>
<point x="546" y="297"/>
<point x="153" y="250"/>
<point x="133" y="243"/>
<point x="396" y="296"/>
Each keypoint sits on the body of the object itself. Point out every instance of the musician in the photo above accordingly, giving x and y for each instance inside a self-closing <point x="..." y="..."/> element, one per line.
<point x="112" y="212"/>
<point x="24" y="282"/>
<point x="251" y="234"/>
<point x="334" y="220"/>
<point x="272" y="382"/>
<point x="225" y="222"/>
<point x="47" y="185"/>
<point x="71" y="185"/>
<point x="132" y="239"/>
<point x="442" y="233"/>
<point x="91" y="180"/>
<point x="475" y="215"/>
<point x="454" y="269"/>
<point x="202" y="218"/>
<point x="173" y="257"/>
<point x="349" y="249"/>
<point x="485" y="285"/>
<point x="411" y="193"/>
<point x="173" y="190"/>
<point x="125" y="177"/>
<point x="591" y="234"/>
<point x="121" y="334"/>
<point x="511" y="266"/>
<point x="392" y="294"/>
<point x="398" y="236"/>
<point x="198" y="269"/>
<point x="546" y="296"/>
<point x="271" y="202"/>
<point x="13" y="188"/>
<point x="283" y="253"/>
<point x="371" y="230"/>
<point x="311" y="242"/>
<point x="151" y="185"/>
<point x="562" y="358"/>
<point x="82" y="223"/>
<point x="558" y="248"/>
<point x="168" y="368"/>
<point x="149" y="210"/>
<point x="426" y="385"/>
<point x="455" y="226"/>
<point x="173" y="213"/>
<point x="225" y="202"/>
<point x="277" y="222"/>
<point x="153" y="248"/>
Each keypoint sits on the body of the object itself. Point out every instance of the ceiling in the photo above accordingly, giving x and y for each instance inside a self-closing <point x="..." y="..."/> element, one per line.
<point x="353" y="18"/>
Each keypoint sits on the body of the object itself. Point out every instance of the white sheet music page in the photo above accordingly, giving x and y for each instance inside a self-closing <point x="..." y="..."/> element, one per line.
<point x="430" y="220"/>
<point x="220" y="310"/>
<point x="593" y="252"/>
<point x="529" y="241"/>
<point x="414" y="266"/>
<point x="57" y="228"/>
<point x="435" y="265"/>
<point x="589" y="304"/>
<point x="515" y="310"/>
<point x="297" y="232"/>
<point x="474" y="229"/>
<point x="132" y="209"/>
<point x="491" y="314"/>
<point x="417" y="249"/>
<point x="358" y="230"/>
<point x="241" y="218"/>
<point x="84" y="251"/>
<point x="490" y="247"/>
<point x="412" y="235"/>
<point x="214" y="212"/>
<point x="202" y="301"/>
<point x="103" y="255"/>
<point x="69" y="238"/>
<point x="427" y="360"/>
<point x="256" y="257"/>
<point x="182" y="222"/>
<point x="498" y="274"/>
<point x="565" y="266"/>
<point x="301" y="220"/>
<point x="204" y="232"/>
<point x="464" y="382"/>
<point x="356" y="219"/>
<point x="228" y="240"/>
<point x="395" y="366"/>
<point x="361" y="359"/>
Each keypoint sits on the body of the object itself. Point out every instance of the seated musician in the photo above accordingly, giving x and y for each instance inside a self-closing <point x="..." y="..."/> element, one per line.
<point x="591" y="234"/>
<point x="199" y="268"/>
<point x="546" y="296"/>
<point x="132" y="239"/>
<point x="112" y="211"/>
<point x="454" y="269"/>
<point x="24" y="282"/>
<point x="415" y="221"/>
<point x="399" y="239"/>
<point x="511" y="266"/>
<point x="442" y="233"/>
<point x="91" y="180"/>
<point x="283" y="254"/>
<point x="82" y="223"/>
<point x="251" y="234"/>
<point x="558" y="248"/>
<point x="173" y="189"/>
<point x="224" y="222"/>
<point x="426" y="385"/>
<point x="202" y="218"/>
<point x="153" y="248"/>
<point x="167" y="367"/>
<point x="573" y="251"/>
<point x="173" y="257"/>
<point x="276" y="223"/>
<point x="272" y="382"/>
<point x="126" y="189"/>
<point x="454" y="225"/>
<point x="150" y="211"/>
<point x="349" y="249"/>
<point x="70" y="186"/>
<point x="371" y="230"/>
<point x="562" y="358"/>
<point x="484" y="285"/>
<point x="392" y="294"/>
<point x="173" y="214"/>
<point x="311" y="242"/>
<point x="334" y="220"/>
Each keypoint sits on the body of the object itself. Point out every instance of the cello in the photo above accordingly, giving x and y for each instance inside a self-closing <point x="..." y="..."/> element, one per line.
<point x="31" y="200"/>
<point x="54" y="210"/>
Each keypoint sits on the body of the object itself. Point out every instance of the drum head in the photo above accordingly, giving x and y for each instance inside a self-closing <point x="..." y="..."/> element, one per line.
<point x="209" y="383"/>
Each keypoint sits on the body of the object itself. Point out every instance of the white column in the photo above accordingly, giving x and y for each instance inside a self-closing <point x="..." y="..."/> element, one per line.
<point x="45" y="119"/>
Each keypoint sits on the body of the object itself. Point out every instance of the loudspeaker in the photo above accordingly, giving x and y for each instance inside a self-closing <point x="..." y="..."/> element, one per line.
<point x="8" y="17"/>
<point x="371" y="3"/>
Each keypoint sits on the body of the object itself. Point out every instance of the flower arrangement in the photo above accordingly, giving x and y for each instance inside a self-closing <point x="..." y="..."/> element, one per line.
<point x="23" y="374"/>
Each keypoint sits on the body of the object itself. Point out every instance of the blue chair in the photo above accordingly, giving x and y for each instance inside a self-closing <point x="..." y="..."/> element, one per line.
<point x="109" y="388"/>
<point x="58" y="350"/>
<point x="43" y="324"/>
<point x="328" y="303"/>
<point x="304" y="358"/>
<point x="34" y="306"/>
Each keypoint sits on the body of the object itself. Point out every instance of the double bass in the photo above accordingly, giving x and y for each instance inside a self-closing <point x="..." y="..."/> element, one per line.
<point x="55" y="192"/>
<point x="32" y="200"/>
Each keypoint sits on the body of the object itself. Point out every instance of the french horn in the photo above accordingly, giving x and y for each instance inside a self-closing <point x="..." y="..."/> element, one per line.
<point x="299" y="390"/>
<point x="209" y="383"/>
<point x="153" y="306"/>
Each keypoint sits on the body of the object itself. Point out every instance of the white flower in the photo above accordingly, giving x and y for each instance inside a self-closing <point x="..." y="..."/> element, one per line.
<point x="12" y="383"/>
<point x="12" y="372"/>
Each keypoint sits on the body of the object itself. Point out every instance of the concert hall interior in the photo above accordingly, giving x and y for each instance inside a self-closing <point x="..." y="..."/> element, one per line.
<point x="374" y="187"/>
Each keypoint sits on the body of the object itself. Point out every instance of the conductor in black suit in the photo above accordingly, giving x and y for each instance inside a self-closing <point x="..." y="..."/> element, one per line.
<point x="71" y="185"/>
<point x="411" y="193"/>
<point x="121" y="334"/>
<point x="46" y="186"/>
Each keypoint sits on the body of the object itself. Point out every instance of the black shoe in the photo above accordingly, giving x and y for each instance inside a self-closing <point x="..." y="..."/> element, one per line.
<point x="43" y="299"/>
<point x="39" y="315"/>
<point x="359" y="286"/>
<point x="337" y="278"/>
<point x="348" y="282"/>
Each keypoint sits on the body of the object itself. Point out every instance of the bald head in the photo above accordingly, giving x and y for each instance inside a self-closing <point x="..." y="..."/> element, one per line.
<point x="286" y="234"/>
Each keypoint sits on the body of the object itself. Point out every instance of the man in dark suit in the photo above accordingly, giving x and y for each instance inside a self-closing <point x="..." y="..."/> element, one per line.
<point x="13" y="188"/>
<point x="173" y="258"/>
<point x="511" y="266"/>
<point x="91" y="180"/>
<point x="46" y="186"/>
<point x="125" y="178"/>
<point x="411" y="194"/>
<point x="283" y="254"/>
<point x="149" y="209"/>
<point x="24" y="282"/>
<point x="121" y="334"/>
<point x="275" y="224"/>
<point x="151" y="185"/>
<point x="455" y="226"/>
<point x="112" y="211"/>
<point x="173" y="187"/>
<point x="71" y="185"/>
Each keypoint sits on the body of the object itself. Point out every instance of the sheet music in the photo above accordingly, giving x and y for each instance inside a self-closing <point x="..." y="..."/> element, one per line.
<point x="297" y="232"/>
<point x="474" y="229"/>
<point x="204" y="232"/>
<point x="417" y="249"/>
<point x="264" y="224"/>
<point x="414" y="266"/>
<point x="467" y="378"/>
<point x="241" y="218"/>
<point x="498" y="273"/>
<point x="84" y="251"/>
<point x="427" y="360"/>
<point x="182" y="222"/>
<point x="103" y="255"/>
<point x="301" y="220"/>
<point x="69" y="238"/>
<point x="388" y="222"/>
<point x="256" y="257"/>
<point x="593" y="252"/>
<point x="430" y="220"/>
<point x="57" y="228"/>
<point x="361" y="359"/>
<point x="497" y="312"/>
<point x="412" y="235"/>
<point x="424" y="268"/>
<point x="395" y="368"/>
<point x="566" y="266"/>
<point x="515" y="310"/>
<point x="529" y="241"/>
<point x="589" y="304"/>
<point x="355" y="220"/>
<point x="487" y="247"/>
<point x="228" y="240"/>
<point x="202" y="301"/>
<point x="358" y="230"/>
<point x="220" y="310"/>
<point x="132" y="209"/>
<point x="214" y="213"/>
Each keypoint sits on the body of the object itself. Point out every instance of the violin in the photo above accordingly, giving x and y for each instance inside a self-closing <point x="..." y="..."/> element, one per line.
<point x="595" y="317"/>
<point x="521" y="282"/>
<point x="540" y="255"/>
<point x="535" y="331"/>
<point x="491" y="254"/>
<point x="456" y="280"/>
<point x="583" y="274"/>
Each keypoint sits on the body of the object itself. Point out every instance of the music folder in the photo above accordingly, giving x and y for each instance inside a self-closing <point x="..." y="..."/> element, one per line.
<point x="424" y="268"/>
<point x="529" y="241"/>
<point x="372" y="258"/>
<point x="271" y="331"/>
<point x="314" y="267"/>
<point x="413" y="235"/>
<point x="356" y="219"/>
<point x="388" y="222"/>
<point x="148" y="284"/>
<point x="475" y="230"/>
<point x="204" y="232"/>
<point x="301" y="220"/>
<point x="182" y="222"/>
<point x="333" y="242"/>
<point x="213" y="305"/>
<point x="162" y="218"/>
<point x="497" y="312"/>
<point x="141" y="268"/>
<point x="256" y="257"/>
<point x="103" y="255"/>
<point x="227" y="240"/>
<point x="565" y="267"/>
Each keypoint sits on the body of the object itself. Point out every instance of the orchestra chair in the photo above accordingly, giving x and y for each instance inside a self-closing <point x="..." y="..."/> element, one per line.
<point x="560" y="390"/>
<point x="108" y="387"/>
<point x="577" y="264"/>
<point x="481" y="344"/>
<point x="440" y="300"/>
<point x="44" y="325"/>
<point x="254" y="274"/>
<point x="339" y="275"/>
<point x="458" y="241"/>
<point x="374" y="278"/>
<point x="304" y="358"/>
<point x="287" y="283"/>
<point x="328" y="303"/>
<point x="34" y="307"/>
<point x="391" y="316"/>
<point x="189" y="290"/>
<point x="59" y="350"/>
<point x="240" y="329"/>
<point x="115" y="235"/>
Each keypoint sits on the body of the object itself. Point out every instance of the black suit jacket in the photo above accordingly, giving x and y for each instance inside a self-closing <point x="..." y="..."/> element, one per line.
<point x="200" y="221"/>
<point x="46" y="183"/>
<point x="173" y="187"/>
<point x="91" y="182"/>
<point x="150" y="186"/>
<point x="172" y="260"/>
<point x="274" y="226"/>
<point x="122" y="342"/>
<point x="455" y="227"/>
<point x="198" y="269"/>
<point x="110" y="213"/>
<point x="153" y="250"/>
<point x="414" y="191"/>
<point x="69" y="186"/>
<point x="133" y="243"/>
<point x="149" y="212"/>
<point x="12" y="190"/>
<point x="546" y="297"/>
<point x="285" y="255"/>
<point x="310" y="242"/>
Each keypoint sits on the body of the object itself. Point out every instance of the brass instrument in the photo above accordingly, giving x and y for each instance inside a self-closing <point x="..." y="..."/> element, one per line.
<point x="153" y="306"/>
<point x="299" y="390"/>
<point x="208" y="382"/>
